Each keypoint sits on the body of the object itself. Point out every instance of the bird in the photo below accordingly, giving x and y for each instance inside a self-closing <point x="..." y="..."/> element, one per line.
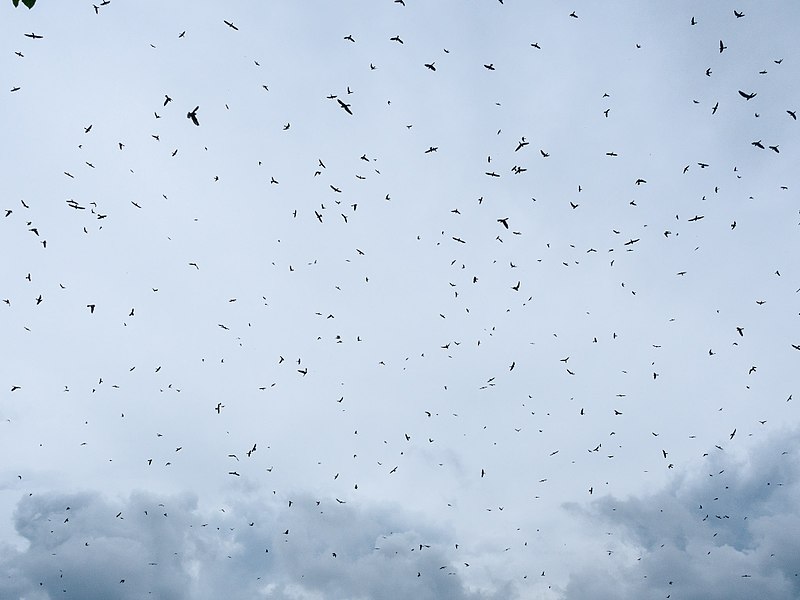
<point x="230" y="24"/>
<point x="738" y="14"/>
<point x="792" y="114"/>
<point x="721" y="47"/>
<point x="34" y="36"/>
<point x="344" y="106"/>
<point x="349" y="38"/>
<point x="396" y="39"/>
<point x="747" y="96"/>
<point x="431" y="66"/>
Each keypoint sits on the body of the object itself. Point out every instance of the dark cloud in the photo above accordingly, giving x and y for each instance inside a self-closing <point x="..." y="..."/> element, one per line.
<point x="85" y="545"/>
<point x="724" y="532"/>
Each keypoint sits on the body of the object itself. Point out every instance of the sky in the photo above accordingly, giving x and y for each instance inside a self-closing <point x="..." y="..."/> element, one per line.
<point x="378" y="299"/>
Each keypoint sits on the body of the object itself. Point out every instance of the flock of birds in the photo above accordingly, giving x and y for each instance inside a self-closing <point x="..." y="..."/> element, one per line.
<point x="420" y="341"/>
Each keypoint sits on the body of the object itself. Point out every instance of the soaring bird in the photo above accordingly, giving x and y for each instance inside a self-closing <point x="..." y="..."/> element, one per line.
<point x="346" y="107"/>
<point x="746" y="96"/>
<point x="193" y="116"/>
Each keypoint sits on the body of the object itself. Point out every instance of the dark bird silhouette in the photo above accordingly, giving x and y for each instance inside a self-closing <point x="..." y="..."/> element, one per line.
<point x="746" y="96"/>
<point x="738" y="14"/>
<point x="792" y="114"/>
<point x="721" y="47"/>
<point x="396" y="39"/>
<point x="231" y="25"/>
<point x="34" y="36"/>
<point x="349" y="38"/>
<point x="193" y="115"/>
<point x="758" y="144"/>
<point x="504" y="222"/>
<point x="431" y="66"/>
<point x="344" y="106"/>
<point x="774" y="148"/>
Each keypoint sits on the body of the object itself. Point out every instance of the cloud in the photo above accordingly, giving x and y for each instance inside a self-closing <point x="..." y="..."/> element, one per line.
<point x="727" y="532"/>
<point x="85" y="545"/>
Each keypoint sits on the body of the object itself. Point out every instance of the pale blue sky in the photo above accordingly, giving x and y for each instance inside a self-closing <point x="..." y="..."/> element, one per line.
<point x="356" y="303"/>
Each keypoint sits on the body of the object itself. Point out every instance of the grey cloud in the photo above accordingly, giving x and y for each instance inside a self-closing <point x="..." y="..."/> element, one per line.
<point x="726" y="531"/>
<point x="83" y="545"/>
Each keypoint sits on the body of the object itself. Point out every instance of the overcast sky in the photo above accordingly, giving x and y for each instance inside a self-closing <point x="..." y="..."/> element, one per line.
<point x="382" y="299"/>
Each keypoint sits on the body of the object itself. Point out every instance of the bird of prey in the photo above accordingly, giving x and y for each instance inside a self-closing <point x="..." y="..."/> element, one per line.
<point x="721" y="46"/>
<point x="231" y="25"/>
<point x="346" y="107"/>
<point x="746" y="96"/>
<point x="34" y="36"/>
<point x="193" y="116"/>
<point x="431" y="66"/>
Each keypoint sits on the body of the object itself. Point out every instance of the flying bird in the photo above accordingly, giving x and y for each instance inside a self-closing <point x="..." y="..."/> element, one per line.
<point x="193" y="115"/>
<point x="344" y="106"/>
